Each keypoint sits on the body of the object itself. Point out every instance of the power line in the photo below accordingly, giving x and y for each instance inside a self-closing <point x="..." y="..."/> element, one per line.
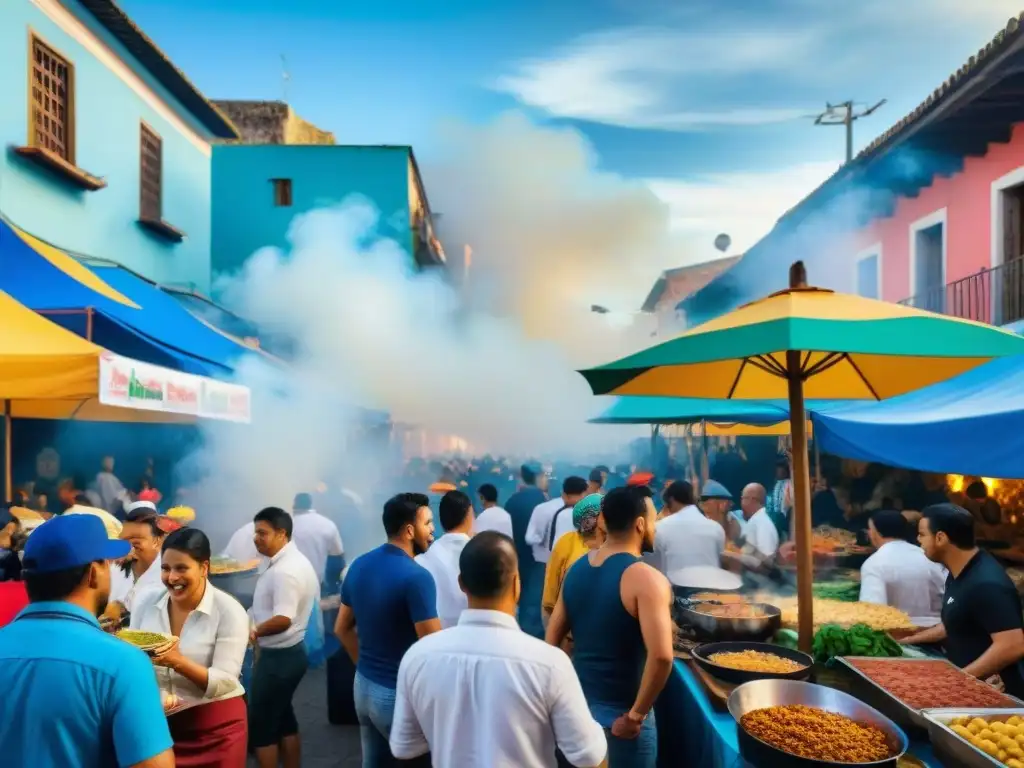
<point x="846" y="114"/>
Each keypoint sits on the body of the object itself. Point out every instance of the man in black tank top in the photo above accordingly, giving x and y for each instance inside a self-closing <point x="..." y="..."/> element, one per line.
<point x="611" y="601"/>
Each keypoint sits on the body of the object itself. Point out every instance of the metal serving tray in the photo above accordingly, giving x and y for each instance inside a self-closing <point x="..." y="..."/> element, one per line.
<point x="956" y="750"/>
<point x="893" y="707"/>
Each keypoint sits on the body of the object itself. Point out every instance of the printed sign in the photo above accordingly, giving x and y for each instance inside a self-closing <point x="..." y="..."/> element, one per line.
<point x="127" y="383"/>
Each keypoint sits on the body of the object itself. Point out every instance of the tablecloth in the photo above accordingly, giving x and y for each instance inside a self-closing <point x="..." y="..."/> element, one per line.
<point x="701" y="735"/>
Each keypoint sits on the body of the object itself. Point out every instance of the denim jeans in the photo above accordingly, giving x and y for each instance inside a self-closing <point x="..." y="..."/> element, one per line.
<point x="641" y="752"/>
<point x="375" y="708"/>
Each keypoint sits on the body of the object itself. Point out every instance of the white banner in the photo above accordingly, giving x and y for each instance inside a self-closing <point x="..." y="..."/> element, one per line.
<point x="127" y="383"/>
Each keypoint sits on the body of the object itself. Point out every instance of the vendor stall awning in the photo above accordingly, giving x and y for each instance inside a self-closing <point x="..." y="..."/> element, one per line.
<point x="128" y="315"/>
<point x="688" y="410"/>
<point x="972" y="425"/>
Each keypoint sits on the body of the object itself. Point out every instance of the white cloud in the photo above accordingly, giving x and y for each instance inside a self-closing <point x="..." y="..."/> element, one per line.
<point x="687" y="77"/>
<point x="743" y="205"/>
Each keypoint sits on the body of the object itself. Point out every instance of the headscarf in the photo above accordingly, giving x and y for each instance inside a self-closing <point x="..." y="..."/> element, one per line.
<point x="584" y="514"/>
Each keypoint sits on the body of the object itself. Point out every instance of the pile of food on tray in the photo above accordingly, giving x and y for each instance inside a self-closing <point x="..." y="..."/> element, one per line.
<point x="731" y="610"/>
<point x="882" y="618"/>
<point x="1000" y="739"/>
<point x="816" y="734"/>
<point x="221" y="566"/>
<point x="756" y="661"/>
<point x="928" y="684"/>
<point x="859" y="640"/>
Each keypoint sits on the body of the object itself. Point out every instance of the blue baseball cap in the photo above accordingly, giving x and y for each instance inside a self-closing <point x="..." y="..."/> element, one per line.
<point x="714" y="490"/>
<point x="69" y="541"/>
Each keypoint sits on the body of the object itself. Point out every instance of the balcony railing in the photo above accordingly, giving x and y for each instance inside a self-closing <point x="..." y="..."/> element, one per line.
<point x="994" y="295"/>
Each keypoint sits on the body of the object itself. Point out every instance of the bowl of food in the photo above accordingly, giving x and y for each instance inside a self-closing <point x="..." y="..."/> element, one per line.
<point x="143" y="639"/>
<point x="741" y="662"/>
<point x="791" y="724"/>
<point x="731" y="621"/>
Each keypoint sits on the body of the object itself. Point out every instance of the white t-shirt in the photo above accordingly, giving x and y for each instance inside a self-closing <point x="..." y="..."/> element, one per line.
<point x="125" y="588"/>
<point x="760" y="533"/>
<point x="494" y="519"/>
<point x="442" y="560"/>
<point x="241" y="548"/>
<point x="538" y="532"/>
<point x="288" y="587"/>
<point x="687" y="539"/>
<point x="485" y="694"/>
<point x="901" y="575"/>
<point x="317" y="538"/>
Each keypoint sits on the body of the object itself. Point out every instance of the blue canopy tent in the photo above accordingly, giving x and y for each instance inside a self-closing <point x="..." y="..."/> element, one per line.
<point x="126" y="315"/>
<point x="971" y="425"/>
<point x="688" y="410"/>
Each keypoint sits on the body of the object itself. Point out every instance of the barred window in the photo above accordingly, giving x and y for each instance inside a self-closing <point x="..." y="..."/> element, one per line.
<point x="51" y="102"/>
<point x="150" y="175"/>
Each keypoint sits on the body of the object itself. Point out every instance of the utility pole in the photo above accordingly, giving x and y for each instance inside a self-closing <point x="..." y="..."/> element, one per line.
<point x="846" y="114"/>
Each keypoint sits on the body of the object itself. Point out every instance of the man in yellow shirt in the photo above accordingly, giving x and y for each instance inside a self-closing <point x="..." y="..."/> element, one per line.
<point x="570" y="548"/>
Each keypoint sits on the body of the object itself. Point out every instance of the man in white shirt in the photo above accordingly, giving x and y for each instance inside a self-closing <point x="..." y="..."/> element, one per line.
<point x="759" y="533"/>
<point x="686" y="538"/>
<point x="282" y="605"/>
<point x="242" y="546"/>
<point x="316" y="537"/>
<point x="493" y="517"/>
<point x="442" y="557"/>
<point x="544" y="522"/>
<point x="899" y="573"/>
<point x="484" y="693"/>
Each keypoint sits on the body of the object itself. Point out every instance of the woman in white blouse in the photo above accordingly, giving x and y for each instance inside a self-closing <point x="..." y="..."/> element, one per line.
<point x="199" y="672"/>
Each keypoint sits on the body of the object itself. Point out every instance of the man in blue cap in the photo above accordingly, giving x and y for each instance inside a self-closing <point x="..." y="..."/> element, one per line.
<point x="77" y="697"/>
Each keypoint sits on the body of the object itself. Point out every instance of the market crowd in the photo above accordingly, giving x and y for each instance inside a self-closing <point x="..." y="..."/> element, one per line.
<point x="533" y="628"/>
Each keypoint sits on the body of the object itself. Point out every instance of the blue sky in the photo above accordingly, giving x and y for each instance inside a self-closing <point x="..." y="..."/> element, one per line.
<point x="706" y="102"/>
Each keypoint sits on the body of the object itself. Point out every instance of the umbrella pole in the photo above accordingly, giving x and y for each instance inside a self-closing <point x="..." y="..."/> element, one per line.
<point x="8" y="460"/>
<point x="801" y="503"/>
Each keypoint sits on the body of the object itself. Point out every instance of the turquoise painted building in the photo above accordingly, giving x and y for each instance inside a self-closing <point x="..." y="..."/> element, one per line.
<point x="259" y="188"/>
<point x="106" y="147"/>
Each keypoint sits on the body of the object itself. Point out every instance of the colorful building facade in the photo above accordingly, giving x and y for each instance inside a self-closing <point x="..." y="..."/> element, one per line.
<point x="673" y="286"/>
<point x="106" y="145"/>
<point x="258" y="190"/>
<point x="931" y="213"/>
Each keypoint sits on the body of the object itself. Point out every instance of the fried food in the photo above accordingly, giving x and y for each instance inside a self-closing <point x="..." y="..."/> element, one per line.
<point x="817" y="734"/>
<point x="998" y="738"/>
<point x="756" y="661"/>
<point x="881" y="618"/>
<point x="731" y="611"/>
<point x="718" y="598"/>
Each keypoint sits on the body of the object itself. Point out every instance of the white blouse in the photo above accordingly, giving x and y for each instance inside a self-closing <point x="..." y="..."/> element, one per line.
<point x="124" y="587"/>
<point x="214" y="635"/>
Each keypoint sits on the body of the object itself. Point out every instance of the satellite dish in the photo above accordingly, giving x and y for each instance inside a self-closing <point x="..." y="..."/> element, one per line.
<point x="722" y="242"/>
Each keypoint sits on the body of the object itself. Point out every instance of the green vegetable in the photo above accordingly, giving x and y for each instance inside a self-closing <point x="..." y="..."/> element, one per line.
<point x="859" y="640"/>
<point x="845" y="591"/>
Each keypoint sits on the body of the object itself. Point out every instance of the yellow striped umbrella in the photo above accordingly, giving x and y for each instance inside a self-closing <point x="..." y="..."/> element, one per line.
<point x="807" y="342"/>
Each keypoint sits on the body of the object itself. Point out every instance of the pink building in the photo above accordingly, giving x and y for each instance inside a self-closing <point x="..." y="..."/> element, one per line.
<point x="931" y="213"/>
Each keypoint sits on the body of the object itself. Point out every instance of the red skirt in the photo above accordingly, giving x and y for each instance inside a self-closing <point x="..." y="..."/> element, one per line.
<point x="213" y="735"/>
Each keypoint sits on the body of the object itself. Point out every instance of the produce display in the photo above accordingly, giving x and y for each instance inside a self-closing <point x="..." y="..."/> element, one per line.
<point x="843" y="591"/>
<point x="859" y="640"/>
<point x="817" y="734"/>
<point x="931" y="684"/>
<point x="731" y="611"/>
<point x="140" y="639"/>
<point x="755" y="661"/>
<point x="1003" y="740"/>
<point x="882" y="618"/>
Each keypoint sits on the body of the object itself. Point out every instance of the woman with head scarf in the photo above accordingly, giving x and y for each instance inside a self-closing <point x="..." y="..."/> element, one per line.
<point x="587" y="535"/>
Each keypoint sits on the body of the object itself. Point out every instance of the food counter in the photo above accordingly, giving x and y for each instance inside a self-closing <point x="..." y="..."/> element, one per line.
<point x="692" y="732"/>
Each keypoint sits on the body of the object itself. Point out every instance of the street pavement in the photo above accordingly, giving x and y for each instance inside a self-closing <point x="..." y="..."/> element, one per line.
<point x="323" y="745"/>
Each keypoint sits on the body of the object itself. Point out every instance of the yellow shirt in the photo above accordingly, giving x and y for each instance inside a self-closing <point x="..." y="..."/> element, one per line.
<point x="567" y="551"/>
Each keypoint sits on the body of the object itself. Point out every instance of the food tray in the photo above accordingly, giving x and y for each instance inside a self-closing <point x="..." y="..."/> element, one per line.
<point x="953" y="749"/>
<point x="890" y="705"/>
<point x="148" y="646"/>
<point x="702" y="653"/>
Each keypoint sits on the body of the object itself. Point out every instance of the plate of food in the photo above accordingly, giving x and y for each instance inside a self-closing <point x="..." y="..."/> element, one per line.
<point x="143" y="639"/>
<point x="224" y="566"/>
<point x="741" y="662"/>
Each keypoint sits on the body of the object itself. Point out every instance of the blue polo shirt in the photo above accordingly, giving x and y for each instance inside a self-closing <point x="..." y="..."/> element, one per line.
<point x="75" y="696"/>
<point x="389" y="593"/>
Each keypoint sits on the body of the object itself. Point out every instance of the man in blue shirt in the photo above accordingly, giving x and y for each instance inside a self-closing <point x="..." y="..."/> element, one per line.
<point x="76" y="697"/>
<point x="388" y="601"/>
<point x="520" y="506"/>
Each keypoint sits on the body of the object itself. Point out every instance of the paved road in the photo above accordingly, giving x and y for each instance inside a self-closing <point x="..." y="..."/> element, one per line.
<point x="323" y="745"/>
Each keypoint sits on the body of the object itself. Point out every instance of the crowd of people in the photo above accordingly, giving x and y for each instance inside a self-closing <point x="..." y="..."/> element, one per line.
<point x="530" y="630"/>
